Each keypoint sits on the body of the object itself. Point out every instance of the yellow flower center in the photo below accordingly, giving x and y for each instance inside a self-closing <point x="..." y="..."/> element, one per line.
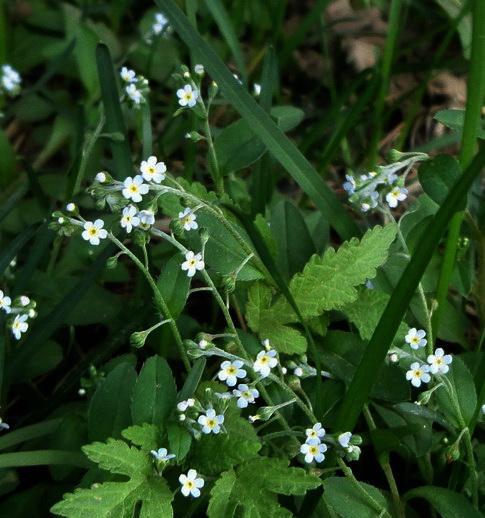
<point x="189" y="484"/>
<point x="188" y="96"/>
<point x="264" y="359"/>
<point x="439" y="361"/>
<point x="192" y="262"/>
<point x="418" y="373"/>
<point x="231" y="370"/>
<point x="92" y="231"/>
<point x="211" y="423"/>
<point x="133" y="188"/>
<point x="313" y="450"/>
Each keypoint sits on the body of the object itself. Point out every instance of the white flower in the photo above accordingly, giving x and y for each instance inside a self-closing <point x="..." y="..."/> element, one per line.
<point x="24" y="300"/>
<point x="315" y="434"/>
<point x="188" y="219"/>
<point x="344" y="439"/>
<point x="134" y="94"/>
<point x="371" y="202"/>
<point x="5" y="302"/>
<point x="19" y="326"/>
<point x="266" y="344"/>
<point x="199" y="69"/>
<point x="100" y="177"/>
<point x="162" y="455"/>
<point x="10" y="80"/>
<point x="129" y="219"/>
<point x="147" y="217"/>
<point x="191" y="484"/>
<point x="160" y="23"/>
<point x="153" y="171"/>
<point x="257" y="89"/>
<point x="183" y="405"/>
<point x="439" y="361"/>
<point x="396" y="195"/>
<point x="265" y="361"/>
<point x="298" y="372"/>
<point x="210" y="422"/>
<point x="203" y="344"/>
<point x="71" y="207"/>
<point x="32" y="313"/>
<point x="418" y="374"/>
<point x="350" y="184"/>
<point x="236" y="77"/>
<point x="4" y="426"/>
<point x="128" y="75"/>
<point x="192" y="263"/>
<point x="245" y="395"/>
<point x="134" y="188"/>
<point x="313" y="452"/>
<point x="187" y="96"/>
<point x="93" y="232"/>
<point x="416" y="338"/>
<point x="230" y="371"/>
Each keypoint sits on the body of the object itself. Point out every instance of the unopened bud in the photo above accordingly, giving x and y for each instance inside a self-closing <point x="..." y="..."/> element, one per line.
<point x="112" y="262"/>
<point x="138" y="338"/>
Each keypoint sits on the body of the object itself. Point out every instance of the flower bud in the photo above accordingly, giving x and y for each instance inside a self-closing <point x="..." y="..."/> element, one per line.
<point x="452" y="453"/>
<point x="204" y="236"/>
<point x="229" y="283"/>
<point x="72" y="207"/>
<point x="112" y="262"/>
<point x="213" y="89"/>
<point x="138" y="338"/>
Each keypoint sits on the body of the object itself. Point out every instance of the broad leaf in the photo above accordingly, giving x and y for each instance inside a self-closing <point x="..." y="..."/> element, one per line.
<point x="448" y="503"/>
<point x="174" y="285"/>
<point x="438" y="175"/>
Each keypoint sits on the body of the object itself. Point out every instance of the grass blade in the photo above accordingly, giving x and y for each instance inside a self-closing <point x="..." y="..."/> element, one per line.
<point x="112" y="109"/>
<point x="43" y="458"/>
<point x="28" y="433"/>
<point x="223" y="21"/>
<point x="263" y="126"/>
<point x="368" y="370"/>
<point x="11" y="202"/>
<point x="15" y="246"/>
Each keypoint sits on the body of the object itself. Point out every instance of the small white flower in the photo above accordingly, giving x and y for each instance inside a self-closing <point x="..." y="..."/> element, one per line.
<point x="203" y="344"/>
<point x="266" y="344"/>
<point x="265" y="361"/>
<point x="188" y="219"/>
<point x="418" y="374"/>
<point x="315" y="434"/>
<point x="147" y="217"/>
<point x="344" y="439"/>
<point x="162" y="455"/>
<point x="369" y="284"/>
<point x="183" y="405"/>
<point x="134" y="94"/>
<point x="187" y="96"/>
<point x="236" y="77"/>
<point x="393" y="357"/>
<point x="199" y="69"/>
<point x="350" y="184"/>
<point x="245" y="395"/>
<point x="71" y="207"/>
<point x="230" y="371"/>
<point x="127" y="75"/>
<point x="93" y="232"/>
<point x="371" y="202"/>
<point x="10" y="80"/>
<point x="439" y="362"/>
<point x="152" y="170"/>
<point x="192" y="263"/>
<point x="134" y="188"/>
<point x="257" y="89"/>
<point x="210" y="422"/>
<point x="298" y="372"/>
<point x="32" y="313"/>
<point x="100" y="177"/>
<point x="191" y="484"/>
<point x="24" y="300"/>
<point x="313" y="452"/>
<point x="416" y="338"/>
<point x="396" y="195"/>
<point x="4" y="426"/>
<point x="129" y="219"/>
<point x="5" y="302"/>
<point x="160" y="23"/>
<point x="19" y="326"/>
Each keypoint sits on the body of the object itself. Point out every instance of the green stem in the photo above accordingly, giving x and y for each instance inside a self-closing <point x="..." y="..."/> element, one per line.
<point x="475" y="91"/>
<point x="213" y="161"/>
<point x="385" y="77"/>
<point x="160" y="301"/>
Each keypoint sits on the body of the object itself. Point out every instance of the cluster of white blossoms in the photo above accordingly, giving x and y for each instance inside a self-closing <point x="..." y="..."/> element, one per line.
<point x="10" y="81"/>
<point x="437" y="363"/>
<point x="313" y="448"/>
<point x="384" y="185"/>
<point x="160" y="27"/>
<point x="135" y="87"/>
<point x="19" y="310"/>
<point x="200" y="420"/>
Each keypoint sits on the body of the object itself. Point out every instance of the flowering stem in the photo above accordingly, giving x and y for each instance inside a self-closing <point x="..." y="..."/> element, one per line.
<point x="213" y="161"/>
<point x="160" y="301"/>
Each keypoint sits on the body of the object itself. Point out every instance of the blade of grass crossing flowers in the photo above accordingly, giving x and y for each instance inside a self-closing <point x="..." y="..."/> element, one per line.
<point x="43" y="458"/>
<point x="368" y="370"/>
<point x="112" y="109"/>
<point x="263" y="126"/>
<point x="14" y="247"/>
<point x="223" y="21"/>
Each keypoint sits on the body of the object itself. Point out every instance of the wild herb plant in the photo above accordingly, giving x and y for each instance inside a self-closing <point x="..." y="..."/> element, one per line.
<point x="206" y="347"/>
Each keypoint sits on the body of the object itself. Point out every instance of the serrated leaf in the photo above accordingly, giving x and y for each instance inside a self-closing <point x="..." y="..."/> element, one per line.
<point x="154" y="394"/>
<point x="146" y="436"/>
<point x="253" y="487"/>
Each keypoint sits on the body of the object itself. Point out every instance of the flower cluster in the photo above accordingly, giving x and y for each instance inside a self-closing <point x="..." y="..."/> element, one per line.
<point x="202" y="419"/>
<point x="384" y="185"/>
<point x="135" y="87"/>
<point x="313" y="448"/>
<point x="160" y="27"/>
<point x="19" y="310"/>
<point x="10" y="81"/>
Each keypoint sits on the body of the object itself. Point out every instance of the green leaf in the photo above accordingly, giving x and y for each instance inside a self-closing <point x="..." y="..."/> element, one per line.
<point x="174" y="285"/>
<point x="109" y="409"/>
<point x="154" y="394"/>
<point x="447" y="503"/>
<point x="465" y="394"/>
<point x="438" y="175"/>
<point x="193" y="379"/>
<point x="262" y="125"/>
<point x="287" y="117"/>
<point x="179" y="441"/>
<point x="345" y="499"/>
<point x="7" y="164"/>
<point x="375" y="353"/>
<point x="253" y="488"/>
<point x="145" y="436"/>
<point x="453" y="9"/>
<point x="295" y="245"/>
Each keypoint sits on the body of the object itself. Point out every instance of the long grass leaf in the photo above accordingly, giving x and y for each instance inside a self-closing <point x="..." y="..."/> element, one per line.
<point x="12" y="201"/>
<point x="112" y="109"/>
<point x="368" y="370"/>
<point x="263" y="126"/>
<point x="14" y="247"/>
<point x="28" y="433"/>
<point x="43" y="458"/>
